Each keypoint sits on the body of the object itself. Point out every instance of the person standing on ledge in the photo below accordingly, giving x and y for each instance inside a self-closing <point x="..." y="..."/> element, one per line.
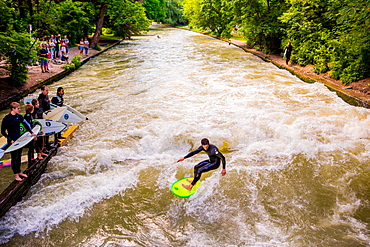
<point x="288" y="52"/>
<point x="44" y="98"/>
<point x="10" y="128"/>
<point x="215" y="158"/>
<point x="58" y="99"/>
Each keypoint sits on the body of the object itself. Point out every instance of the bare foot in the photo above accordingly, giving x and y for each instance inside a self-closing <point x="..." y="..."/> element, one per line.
<point x="17" y="178"/>
<point x="43" y="154"/>
<point x="22" y="175"/>
<point x="189" y="180"/>
<point x="187" y="186"/>
<point x="39" y="156"/>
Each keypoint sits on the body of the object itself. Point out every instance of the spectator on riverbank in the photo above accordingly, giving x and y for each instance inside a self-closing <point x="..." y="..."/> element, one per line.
<point x="66" y="41"/>
<point x="81" y="46"/>
<point x="288" y="52"/>
<point x="43" y="54"/>
<point x="52" y="48"/>
<point x="86" y="46"/>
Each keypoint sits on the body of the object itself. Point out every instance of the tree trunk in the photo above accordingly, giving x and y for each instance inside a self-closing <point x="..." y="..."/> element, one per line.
<point x="99" y="26"/>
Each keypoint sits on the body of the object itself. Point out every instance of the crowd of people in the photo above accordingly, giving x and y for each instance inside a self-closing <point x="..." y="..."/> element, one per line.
<point x="55" y="49"/>
<point x="11" y="130"/>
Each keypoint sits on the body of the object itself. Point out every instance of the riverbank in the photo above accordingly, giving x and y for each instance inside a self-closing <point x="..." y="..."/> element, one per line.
<point x="357" y="93"/>
<point x="36" y="78"/>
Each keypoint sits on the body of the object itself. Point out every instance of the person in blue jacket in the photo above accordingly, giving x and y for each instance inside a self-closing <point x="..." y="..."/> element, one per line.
<point x="214" y="161"/>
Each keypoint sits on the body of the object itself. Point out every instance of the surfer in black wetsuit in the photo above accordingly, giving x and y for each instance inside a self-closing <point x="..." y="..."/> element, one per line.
<point x="10" y="128"/>
<point x="215" y="159"/>
<point x="44" y="98"/>
<point x="58" y="99"/>
<point x="44" y="102"/>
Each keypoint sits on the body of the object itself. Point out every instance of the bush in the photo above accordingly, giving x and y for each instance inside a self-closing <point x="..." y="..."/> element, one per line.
<point x="77" y="61"/>
<point x="98" y="48"/>
<point x="70" y="66"/>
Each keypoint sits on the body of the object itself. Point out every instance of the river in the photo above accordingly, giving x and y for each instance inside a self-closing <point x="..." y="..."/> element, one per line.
<point x="297" y="155"/>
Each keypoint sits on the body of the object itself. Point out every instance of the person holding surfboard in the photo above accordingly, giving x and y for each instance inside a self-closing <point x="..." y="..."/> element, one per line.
<point x="215" y="159"/>
<point x="44" y="98"/>
<point x="44" y="102"/>
<point x="11" y="130"/>
<point x="58" y="99"/>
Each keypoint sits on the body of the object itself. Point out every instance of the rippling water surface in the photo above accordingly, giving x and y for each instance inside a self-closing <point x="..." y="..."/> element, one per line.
<point x="297" y="155"/>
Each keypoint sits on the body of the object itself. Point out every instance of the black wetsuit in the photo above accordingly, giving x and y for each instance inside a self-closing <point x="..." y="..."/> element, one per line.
<point x="215" y="158"/>
<point x="288" y="52"/>
<point x="37" y="113"/>
<point x="10" y="128"/>
<point x="57" y="100"/>
<point x="33" y="144"/>
<point x="45" y="105"/>
<point x="44" y="102"/>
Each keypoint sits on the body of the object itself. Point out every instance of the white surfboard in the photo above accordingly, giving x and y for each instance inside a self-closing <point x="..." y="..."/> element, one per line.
<point x="27" y="101"/>
<point x="52" y="106"/>
<point x="51" y="127"/>
<point x="72" y="110"/>
<point x="61" y="114"/>
<point x="23" y="140"/>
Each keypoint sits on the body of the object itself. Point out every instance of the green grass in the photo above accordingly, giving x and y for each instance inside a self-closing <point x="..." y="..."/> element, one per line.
<point x="109" y="37"/>
<point x="235" y="36"/>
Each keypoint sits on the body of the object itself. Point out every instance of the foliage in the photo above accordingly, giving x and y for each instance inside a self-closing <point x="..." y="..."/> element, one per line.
<point x="215" y="15"/>
<point x="63" y="18"/>
<point x="155" y="9"/>
<point x="127" y="18"/>
<point x="174" y="15"/>
<point x="70" y="66"/>
<point x="259" y="23"/>
<point x="331" y="36"/>
<point x="191" y="9"/>
<point x="77" y="61"/>
<point x="17" y="51"/>
<point x="6" y="17"/>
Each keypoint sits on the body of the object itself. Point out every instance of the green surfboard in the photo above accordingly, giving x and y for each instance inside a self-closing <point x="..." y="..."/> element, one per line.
<point x="180" y="191"/>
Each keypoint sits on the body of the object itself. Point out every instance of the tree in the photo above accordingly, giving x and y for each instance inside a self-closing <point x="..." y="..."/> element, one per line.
<point x="216" y="15"/>
<point x="126" y="18"/>
<point x="331" y="36"/>
<point x="155" y="9"/>
<point x="17" y="51"/>
<point x="191" y="9"/>
<point x="174" y="14"/>
<point x="259" y="23"/>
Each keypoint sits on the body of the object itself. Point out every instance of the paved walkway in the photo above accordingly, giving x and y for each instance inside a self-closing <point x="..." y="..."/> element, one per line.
<point x="36" y="77"/>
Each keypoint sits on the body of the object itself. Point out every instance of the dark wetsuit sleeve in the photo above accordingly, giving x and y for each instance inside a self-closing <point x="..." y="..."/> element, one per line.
<point x="222" y="157"/>
<point x="200" y="149"/>
<point x="3" y="130"/>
